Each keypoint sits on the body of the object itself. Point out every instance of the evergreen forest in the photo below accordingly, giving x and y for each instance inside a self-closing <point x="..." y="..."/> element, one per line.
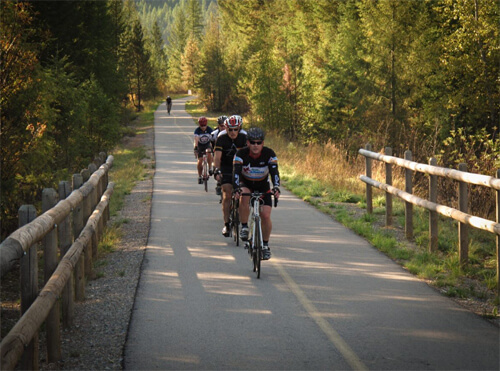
<point x="419" y="75"/>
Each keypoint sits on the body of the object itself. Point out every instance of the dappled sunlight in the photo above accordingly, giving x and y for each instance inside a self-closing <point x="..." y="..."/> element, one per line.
<point x="227" y="284"/>
<point x="303" y="264"/>
<point x="428" y="334"/>
<point x="405" y="298"/>
<point x="335" y="315"/>
<point x="249" y="311"/>
<point x="165" y="250"/>
<point x="209" y="254"/>
<point x="183" y="359"/>
<point x="401" y="276"/>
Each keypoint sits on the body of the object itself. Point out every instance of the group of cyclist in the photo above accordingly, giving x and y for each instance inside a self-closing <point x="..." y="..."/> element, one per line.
<point x="241" y="165"/>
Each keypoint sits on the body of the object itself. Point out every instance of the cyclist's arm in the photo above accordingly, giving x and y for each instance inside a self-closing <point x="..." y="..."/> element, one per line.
<point x="218" y="157"/>
<point x="237" y="168"/>
<point x="274" y="171"/>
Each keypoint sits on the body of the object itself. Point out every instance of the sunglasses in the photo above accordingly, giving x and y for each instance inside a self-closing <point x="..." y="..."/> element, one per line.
<point x="258" y="142"/>
<point x="233" y="129"/>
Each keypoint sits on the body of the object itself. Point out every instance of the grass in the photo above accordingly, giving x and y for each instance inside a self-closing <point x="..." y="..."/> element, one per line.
<point x="126" y="171"/>
<point x="321" y="176"/>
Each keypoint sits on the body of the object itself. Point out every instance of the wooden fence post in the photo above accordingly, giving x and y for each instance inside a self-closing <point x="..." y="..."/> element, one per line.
<point x="49" y="200"/>
<point x="87" y="210"/>
<point x="408" y="205"/>
<point x="463" y="235"/>
<point x="77" y="228"/>
<point x="369" y="194"/>
<point x="65" y="241"/>
<point x="433" y="215"/>
<point x="498" y="239"/>
<point x="29" y="288"/>
<point x="388" y="196"/>
<point x="94" y="197"/>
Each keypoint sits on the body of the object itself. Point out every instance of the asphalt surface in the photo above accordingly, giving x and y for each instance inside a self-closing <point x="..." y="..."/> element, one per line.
<point x="326" y="300"/>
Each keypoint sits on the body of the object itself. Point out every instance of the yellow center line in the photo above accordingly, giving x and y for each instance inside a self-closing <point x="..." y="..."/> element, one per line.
<point x="332" y="335"/>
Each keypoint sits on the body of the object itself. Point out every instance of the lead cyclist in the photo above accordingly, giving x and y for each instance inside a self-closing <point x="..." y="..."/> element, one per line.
<point x="252" y="166"/>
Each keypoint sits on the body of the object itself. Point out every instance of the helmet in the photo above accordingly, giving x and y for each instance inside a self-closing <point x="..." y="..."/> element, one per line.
<point x="221" y="120"/>
<point x="234" y="121"/>
<point x="255" y="134"/>
<point x="202" y="121"/>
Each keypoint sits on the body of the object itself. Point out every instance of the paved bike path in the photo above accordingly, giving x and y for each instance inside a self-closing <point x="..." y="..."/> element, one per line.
<point x="326" y="299"/>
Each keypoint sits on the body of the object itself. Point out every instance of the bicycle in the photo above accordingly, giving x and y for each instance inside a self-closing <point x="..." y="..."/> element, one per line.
<point x="255" y="241"/>
<point x="205" y="174"/>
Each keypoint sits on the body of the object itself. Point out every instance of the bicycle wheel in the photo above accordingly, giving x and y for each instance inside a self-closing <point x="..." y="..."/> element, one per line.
<point x="205" y="174"/>
<point x="257" y="250"/>
<point x="235" y="222"/>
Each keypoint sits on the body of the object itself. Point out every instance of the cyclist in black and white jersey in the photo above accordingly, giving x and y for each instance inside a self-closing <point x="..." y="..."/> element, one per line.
<point x="252" y="167"/>
<point x="225" y="148"/>
<point x="242" y="131"/>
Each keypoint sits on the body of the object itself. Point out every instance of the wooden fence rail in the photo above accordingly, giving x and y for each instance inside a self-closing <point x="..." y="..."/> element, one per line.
<point x="87" y="205"/>
<point x="461" y="214"/>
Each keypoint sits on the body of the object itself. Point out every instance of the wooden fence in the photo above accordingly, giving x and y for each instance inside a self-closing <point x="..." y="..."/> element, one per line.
<point x="461" y="215"/>
<point x="74" y="224"/>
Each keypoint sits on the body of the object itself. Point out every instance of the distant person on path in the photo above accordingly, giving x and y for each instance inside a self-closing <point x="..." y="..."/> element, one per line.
<point x="225" y="148"/>
<point x="252" y="166"/>
<point x="169" y="104"/>
<point x="202" y="143"/>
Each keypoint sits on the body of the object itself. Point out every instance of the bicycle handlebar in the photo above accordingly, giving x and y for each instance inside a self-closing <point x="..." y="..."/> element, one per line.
<point x="258" y="194"/>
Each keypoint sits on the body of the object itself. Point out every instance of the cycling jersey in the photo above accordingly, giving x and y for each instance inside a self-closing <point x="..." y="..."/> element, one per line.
<point x="203" y="137"/>
<point x="228" y="147"/>
<point x="225" y="132"/>
<point x="252" y="172"/>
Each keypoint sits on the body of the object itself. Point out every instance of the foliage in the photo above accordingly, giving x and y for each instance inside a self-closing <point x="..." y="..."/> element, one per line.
<point x="66" y="68"/>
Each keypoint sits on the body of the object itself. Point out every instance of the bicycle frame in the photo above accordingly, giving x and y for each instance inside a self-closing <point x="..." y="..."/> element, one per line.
<point x="205" y="170"/>
<point x="255" y="241"/>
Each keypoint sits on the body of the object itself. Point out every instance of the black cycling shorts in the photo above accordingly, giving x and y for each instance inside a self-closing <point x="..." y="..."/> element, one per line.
<point x="201" y="150"/>
<point x="267" y="197"/>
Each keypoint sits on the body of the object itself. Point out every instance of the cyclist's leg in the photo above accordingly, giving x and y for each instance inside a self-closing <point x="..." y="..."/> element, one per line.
<point x="209" y="160"/>
<point x="244" y="208"/>
<point x="200" y="164"/>
<point x="227" y="190"/>
<point x="267" y="225"/>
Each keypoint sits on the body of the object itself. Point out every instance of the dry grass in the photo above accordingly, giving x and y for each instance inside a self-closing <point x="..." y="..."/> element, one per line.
<point x="324" y="162"/>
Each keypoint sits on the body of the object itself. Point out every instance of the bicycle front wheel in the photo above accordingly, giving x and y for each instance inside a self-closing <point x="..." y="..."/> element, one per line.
<point x="257" y="250"/>
<point x="236" y="224"/>
<point x="205" y="175"/>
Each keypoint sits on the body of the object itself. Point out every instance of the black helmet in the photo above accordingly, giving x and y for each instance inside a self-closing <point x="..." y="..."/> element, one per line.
<point x="221" y="120"/>
<point x="255" y="134"/>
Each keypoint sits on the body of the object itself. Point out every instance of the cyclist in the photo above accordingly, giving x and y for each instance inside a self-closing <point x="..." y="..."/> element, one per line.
<point x="169" y="104"/>
<point x="252" y="166"/>
<point x="202" y="143"/>
<point x="241" y="128"/>
<point x="220" y="127"/>
<point x="225" y="149"/>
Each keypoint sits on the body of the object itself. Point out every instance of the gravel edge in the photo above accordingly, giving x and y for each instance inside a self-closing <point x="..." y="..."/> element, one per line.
<point x="97" y="338"/>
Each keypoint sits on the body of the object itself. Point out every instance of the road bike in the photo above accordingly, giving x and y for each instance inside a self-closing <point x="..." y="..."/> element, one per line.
<point x="255" y="242"/>
<point x="234" y="219"/>
<point x="205" y="174"/>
